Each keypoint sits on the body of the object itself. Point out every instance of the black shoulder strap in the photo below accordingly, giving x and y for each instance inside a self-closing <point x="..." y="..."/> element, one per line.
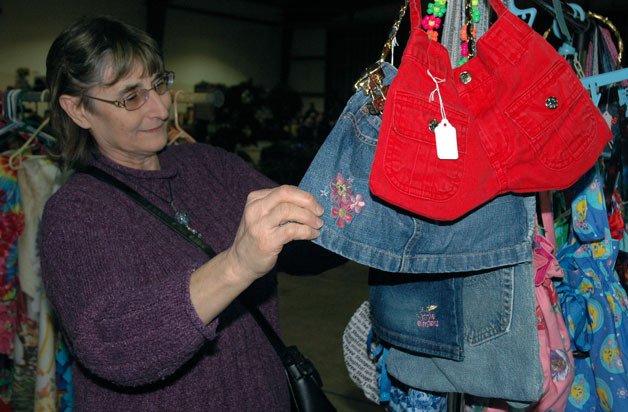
<point x="151" y="208"/>
<point x="100" y="174"/>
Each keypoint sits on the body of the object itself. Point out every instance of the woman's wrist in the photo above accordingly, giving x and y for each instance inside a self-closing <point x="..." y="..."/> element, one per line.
<point x="216" y="284"/>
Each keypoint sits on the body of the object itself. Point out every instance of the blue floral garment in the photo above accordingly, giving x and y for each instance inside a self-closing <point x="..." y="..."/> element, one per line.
<point x="396" y="397"/>
<point x="588" y="260"/>
<point x="414" y="400"/>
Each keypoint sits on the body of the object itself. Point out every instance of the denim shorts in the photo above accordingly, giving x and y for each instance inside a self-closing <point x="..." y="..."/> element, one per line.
<point x="376" y="234"/>
<point x="370" y="231"/>
<point x="501" y="346"/>
<point x="501" y="360"/>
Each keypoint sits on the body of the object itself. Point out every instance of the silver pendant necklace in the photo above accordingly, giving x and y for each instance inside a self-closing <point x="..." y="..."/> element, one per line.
<point x="181" y="216"/>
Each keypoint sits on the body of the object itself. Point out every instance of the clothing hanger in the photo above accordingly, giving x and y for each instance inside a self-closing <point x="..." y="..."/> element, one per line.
<point x="8" y="108"/>
<point x="371" y="80"/>
<point x="558" y="6"/>
<point x="561" y="29"/>
<point x="547" y="216"/>
<point x="10" y="113"/>
<point x="529" y="13"/>
<point x="593" y="83"/>
<point x="559" y="26"/>
<point x="177" y="133"/>
<point x="365" y="80"/>
<point x="17" y="157"/>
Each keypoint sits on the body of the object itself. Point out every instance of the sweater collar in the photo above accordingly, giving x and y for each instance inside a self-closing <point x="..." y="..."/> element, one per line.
<point x="168" y="167"/>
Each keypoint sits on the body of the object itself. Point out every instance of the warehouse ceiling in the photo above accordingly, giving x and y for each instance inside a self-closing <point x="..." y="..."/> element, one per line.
<point x="321" y="6"/>
<point x="326" y="13"/>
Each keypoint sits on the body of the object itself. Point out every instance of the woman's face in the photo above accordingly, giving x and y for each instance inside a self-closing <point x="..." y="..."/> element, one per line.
<point x="130" y="138"/>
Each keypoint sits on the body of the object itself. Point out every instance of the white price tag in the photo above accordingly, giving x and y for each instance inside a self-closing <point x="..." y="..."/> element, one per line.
<point x="609" y="118"/>
<point x="446" y="141"/>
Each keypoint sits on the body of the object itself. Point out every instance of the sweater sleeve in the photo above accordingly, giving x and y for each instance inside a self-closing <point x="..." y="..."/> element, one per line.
<point x="297" y="257"/>
<point x="127" y="317"/>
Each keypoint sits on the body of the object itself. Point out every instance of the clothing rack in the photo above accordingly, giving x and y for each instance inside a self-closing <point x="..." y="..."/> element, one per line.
<point x="35" y="97"/>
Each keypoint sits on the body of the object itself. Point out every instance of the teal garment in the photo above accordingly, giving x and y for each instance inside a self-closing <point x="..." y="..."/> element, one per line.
<point x="63" y="372"/>
<point x="561" y="220"/>
<point x="588" y="260"/>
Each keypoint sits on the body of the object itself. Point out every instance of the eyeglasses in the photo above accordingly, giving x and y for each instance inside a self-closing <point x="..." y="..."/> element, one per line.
<point x="137" y="98"/>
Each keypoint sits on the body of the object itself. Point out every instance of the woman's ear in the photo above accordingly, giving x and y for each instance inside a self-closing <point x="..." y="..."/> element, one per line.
<point x="72" y="106"/>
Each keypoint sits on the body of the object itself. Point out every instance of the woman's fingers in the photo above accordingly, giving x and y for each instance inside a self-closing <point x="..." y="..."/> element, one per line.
<point x="272" y="218"/>
<point x="283" y="214"/>
<point x="271" y="198"/>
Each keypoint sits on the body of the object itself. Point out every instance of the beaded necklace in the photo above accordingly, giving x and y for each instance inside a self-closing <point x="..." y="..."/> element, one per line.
<point x="433" y="19"/>
<point x="468" y="33"/>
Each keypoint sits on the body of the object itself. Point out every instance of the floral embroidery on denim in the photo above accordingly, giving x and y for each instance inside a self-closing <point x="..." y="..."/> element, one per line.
<point x="342" y="214"/>
<point x="340" y="189"/>
<point x="357" y="203"/>
<point x="346" y="203"/>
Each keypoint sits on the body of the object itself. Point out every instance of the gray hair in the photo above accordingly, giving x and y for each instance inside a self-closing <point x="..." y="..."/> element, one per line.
<point x="77" y="61"/>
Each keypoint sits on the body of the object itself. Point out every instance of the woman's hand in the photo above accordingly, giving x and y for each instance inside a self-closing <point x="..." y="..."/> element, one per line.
<point x="272" y="218"/>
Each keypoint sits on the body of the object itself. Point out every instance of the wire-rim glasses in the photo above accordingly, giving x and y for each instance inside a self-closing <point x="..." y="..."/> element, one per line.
<point x="138" y="97"/>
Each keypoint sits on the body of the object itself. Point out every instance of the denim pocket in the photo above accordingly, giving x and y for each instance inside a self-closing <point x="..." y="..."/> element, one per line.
<point x="553" y="115"/>
<point x="410" y="161"/>
<point x="487" y="301"/>
<point x="366" y="125"/>
<point x="422" y="315"/>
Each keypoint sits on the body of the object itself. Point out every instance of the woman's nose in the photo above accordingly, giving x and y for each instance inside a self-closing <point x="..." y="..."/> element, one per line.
<point x="159" y="104"/>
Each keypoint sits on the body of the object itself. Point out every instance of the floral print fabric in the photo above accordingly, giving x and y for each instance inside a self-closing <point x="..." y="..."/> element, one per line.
<point x="396" y="397"/>
<point x="555" y="349"/>
<point x="11" y="226"/>
<point x="413" y="400"/>
<point x="28" y="338"/>
<point x="37" y="178"/>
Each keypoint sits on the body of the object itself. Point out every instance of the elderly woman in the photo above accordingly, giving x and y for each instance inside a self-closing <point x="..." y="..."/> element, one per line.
<point x="151" y="322"/>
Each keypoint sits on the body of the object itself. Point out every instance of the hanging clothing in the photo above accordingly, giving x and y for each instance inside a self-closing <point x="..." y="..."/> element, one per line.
<point x="11" y="227"/>
<point x="513" y="135"/>
<point x="556" y="354"/>
<point x="588" y="260"/>
<point x="37" y="179"/>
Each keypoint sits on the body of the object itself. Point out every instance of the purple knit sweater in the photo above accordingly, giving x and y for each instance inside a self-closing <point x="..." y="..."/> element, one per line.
<point x="118" y="280"/>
